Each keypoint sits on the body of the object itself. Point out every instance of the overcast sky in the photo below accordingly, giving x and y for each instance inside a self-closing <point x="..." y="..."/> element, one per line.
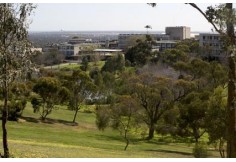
<point x="116" y="16"/>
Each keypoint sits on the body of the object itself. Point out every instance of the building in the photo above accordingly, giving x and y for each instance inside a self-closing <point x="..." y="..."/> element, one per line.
<point x="69" y="50"/>
<point x="37" y="50"/>
<point x="165" y="44"/>
<point x="50" y="47"/>
<point x="212" y="45"/>
<point x="178" y="32"/>
<point x="78" y="40"/>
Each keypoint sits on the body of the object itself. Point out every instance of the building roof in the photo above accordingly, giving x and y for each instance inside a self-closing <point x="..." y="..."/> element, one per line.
<point x="209" y="33"/>
<point x="107" y="50"/>
<point x="166" y="41"/>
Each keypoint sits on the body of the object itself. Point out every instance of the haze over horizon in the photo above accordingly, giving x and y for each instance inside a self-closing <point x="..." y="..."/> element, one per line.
<point x="84" y="17"/>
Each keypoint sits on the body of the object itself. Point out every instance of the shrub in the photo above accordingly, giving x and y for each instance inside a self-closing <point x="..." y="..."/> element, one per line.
<point x="200" y="151"/>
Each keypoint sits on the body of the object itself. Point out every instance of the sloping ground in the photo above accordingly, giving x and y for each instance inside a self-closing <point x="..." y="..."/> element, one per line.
<point x="58" y="138"/>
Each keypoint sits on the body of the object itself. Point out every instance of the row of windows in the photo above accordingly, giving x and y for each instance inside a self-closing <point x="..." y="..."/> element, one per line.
<point x="210" y="37"/>
<point x="67" y="47"/>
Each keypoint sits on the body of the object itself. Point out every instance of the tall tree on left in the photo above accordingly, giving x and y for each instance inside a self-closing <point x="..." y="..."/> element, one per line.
<point x="14" y="52"/>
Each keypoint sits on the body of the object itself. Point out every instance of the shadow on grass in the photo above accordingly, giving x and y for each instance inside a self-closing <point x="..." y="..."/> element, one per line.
<point x="49" y="121"/>
<point x="53" y="121"/>
<point x="30" y="119"/>
<point x="170" y="151"/>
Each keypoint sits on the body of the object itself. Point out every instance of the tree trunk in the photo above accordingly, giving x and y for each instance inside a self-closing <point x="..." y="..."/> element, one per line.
<point x="127" y="144"/>
<point x="151" y="131"/>
<point x="5" y="113"/>
<point x="127" y="139"/>
<point x="4" y="122"/>
<point x="76" y="111"/>
<point x="231" y="128"/>
<point x="221" y="148"/>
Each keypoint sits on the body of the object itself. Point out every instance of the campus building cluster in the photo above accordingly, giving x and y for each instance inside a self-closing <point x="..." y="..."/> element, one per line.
<point x="76" y="47"/>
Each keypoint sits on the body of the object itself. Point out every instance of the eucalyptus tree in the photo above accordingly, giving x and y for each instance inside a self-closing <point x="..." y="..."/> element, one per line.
<point x="81" y="88"/>
<point x="154" y="96"/>
<point x="14" y="52"/>
<point x="50" y="93"/>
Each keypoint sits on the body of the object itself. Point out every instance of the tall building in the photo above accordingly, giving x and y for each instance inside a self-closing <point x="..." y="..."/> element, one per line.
<point x="178" y="32"/>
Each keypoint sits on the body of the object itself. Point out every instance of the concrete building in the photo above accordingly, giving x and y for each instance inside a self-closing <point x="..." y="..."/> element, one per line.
<point x="165" y="44"/>
<point x="178" y="32"/>
<point x="69" y="50"/>
<point x="212" y="45"/>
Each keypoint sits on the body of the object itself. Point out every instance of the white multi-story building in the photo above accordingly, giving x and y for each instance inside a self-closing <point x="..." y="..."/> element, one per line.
<point x="178" y="32"/>
<point x="212" y="45"/>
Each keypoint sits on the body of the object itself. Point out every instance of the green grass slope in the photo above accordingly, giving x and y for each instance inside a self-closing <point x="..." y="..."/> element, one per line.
<point x="57" y="137"/>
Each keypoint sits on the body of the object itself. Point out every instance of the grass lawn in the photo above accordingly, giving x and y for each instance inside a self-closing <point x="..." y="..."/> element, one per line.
<point x="58" y="138"/>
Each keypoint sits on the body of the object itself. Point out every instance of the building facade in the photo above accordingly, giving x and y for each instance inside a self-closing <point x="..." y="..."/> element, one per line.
<point x="178" y="32"/>
<point x="69" y="50"/>
<point x="212" y="45"/>
<point x="165" y="44"/>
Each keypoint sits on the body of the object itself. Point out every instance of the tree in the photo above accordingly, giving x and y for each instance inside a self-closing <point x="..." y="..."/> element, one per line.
<point x="82" y="88"/>
<point x="141" y="52"/>
<point x="50" y="93"/>
<point x="148" y="27"/>
<point x="222" y="18"/>
<point x="120" y="115"/>
<point x="115" y="63"/>
<point x="216" y="119"/>
<point x="155" y="97"/>
<point x="192" y="115"/>
<point x="18" y="95"/>
<point x="84" y="64"/>
<point x="14" y="54"/>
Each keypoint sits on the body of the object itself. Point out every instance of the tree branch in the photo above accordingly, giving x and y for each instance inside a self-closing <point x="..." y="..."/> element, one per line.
<point x="210" y="21"/>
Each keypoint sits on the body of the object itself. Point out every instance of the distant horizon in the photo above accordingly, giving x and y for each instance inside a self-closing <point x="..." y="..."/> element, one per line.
<point x="87" y="17"/>
<point x="108" y="31"/>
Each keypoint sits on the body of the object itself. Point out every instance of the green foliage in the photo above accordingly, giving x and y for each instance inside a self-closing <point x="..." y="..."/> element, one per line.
<point x="85" y="64"/>
<point x="51" y="93"/>
<point x="192" y="115"/>
<point x="102" y="117"/>
<point x="171" y="56"/>
<point x="115" y="63"/>
<point x="200" y="151"/>
<point x="216" y="118"/>
<point x="140" y="53"/>
<point x="18" y="94"/>
<point x="154" y="95"/>
<point x="35" y="101"/>
<point x="81" y="88"/>
<point x="16" y="109"/>
<point x="121" y="115"/>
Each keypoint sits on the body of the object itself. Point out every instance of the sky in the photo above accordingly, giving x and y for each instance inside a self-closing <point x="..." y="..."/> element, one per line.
<point x="116" y="17"/>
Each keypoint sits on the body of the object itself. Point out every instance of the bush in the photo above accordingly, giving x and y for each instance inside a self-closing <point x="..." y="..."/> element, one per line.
<point x="200" y="151"/>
